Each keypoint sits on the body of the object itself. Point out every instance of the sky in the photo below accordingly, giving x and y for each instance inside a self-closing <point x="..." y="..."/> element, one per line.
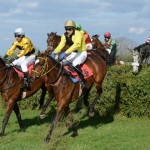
<point x="122" y="18"/>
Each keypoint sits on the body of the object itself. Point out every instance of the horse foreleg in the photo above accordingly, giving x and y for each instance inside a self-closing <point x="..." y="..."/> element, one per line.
<point x="54" y="123"/>
<point x="42" y="114"/>
<point x="41" y="101"/>
<point x="92" y="106"/>
<point x="9" y="109"/>
<point x="85" y="97"/>
<point x="18" y="115"/>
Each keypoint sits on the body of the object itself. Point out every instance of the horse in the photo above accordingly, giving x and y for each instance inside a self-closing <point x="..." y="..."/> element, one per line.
<point x="140" y="55"/>
<point x="10" y="84"/>
<point x="65" y="90"/>
<point x="52" y="42"/>
<point x="97" y="45"/>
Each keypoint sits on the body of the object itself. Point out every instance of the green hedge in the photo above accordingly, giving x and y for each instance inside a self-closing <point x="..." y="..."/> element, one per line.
<point x="122" y="93"/>
<point x="126" y="93"/>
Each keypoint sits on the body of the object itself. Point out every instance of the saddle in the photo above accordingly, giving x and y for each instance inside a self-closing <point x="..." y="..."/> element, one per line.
<point x="20" y="72"/>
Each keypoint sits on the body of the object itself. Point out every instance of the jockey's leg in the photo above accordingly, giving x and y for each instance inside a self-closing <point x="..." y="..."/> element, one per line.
<point x="26" y="84"/>
<point x="79" y="72"/>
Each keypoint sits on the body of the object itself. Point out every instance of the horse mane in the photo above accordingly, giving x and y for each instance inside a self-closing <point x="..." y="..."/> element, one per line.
<point x="2" y="61"/>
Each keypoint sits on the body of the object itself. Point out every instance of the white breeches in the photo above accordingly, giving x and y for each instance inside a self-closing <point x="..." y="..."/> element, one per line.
<point x="24" y="62"/>
<point x="76" y="58"/>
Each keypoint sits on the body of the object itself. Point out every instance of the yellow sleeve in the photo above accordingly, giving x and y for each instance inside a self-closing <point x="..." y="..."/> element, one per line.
<point x="12" y="49"/>
<point x="61" y="45"/>
<point x="27" y="47"/>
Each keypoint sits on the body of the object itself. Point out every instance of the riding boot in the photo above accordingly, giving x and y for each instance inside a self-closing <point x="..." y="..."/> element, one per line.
<point x="79" y="72"/>
<point x="26" y="82"/>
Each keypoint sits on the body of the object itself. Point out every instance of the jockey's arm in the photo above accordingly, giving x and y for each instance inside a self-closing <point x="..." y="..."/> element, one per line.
<point x="61" y="45"/>
<point x="12" y="49"/>
<point x="27" y="47"/>
<point x="77" y="44"/>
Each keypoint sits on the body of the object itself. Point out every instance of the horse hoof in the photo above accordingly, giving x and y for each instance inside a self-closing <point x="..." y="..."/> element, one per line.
<point x="86" y="103"/>
<point x="1" y="135"/>
<point x="74" y="134"/>
<point x="42" y="116"/>
<point x="91" y="114"/>
<point x="46" y="139"/>
<point x="21" y="130"/>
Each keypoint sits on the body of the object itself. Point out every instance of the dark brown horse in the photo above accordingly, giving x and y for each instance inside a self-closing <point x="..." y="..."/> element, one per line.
<point x="10" y="84"/>
<point x="65" y="91"/>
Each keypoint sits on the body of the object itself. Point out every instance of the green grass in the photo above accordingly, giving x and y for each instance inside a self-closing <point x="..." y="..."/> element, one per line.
<point x="110" y="133"/>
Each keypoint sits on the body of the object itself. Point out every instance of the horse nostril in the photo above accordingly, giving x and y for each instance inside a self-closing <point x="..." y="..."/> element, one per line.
<point x="134" y="73"/>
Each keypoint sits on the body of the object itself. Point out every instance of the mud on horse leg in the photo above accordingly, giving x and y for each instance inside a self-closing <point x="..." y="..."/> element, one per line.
<point x="54" y="123"/>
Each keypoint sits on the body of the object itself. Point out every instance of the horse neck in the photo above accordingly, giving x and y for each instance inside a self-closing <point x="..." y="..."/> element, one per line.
<point x="54" y="69"/>
<point x="58" y="39"/>
<point x="99" y="44"/>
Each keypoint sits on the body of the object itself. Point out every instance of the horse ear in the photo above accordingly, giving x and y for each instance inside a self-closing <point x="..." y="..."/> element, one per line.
<point x="47" y="34"/>
<point x="39" y="53"/>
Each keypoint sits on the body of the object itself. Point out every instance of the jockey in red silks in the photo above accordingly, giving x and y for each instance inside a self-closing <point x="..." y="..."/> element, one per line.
<point x="86" y="36"/>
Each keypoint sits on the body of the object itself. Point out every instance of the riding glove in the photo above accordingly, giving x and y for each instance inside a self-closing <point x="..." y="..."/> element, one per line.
<point x="62" y="55"/>
<point x="53" y="55"/>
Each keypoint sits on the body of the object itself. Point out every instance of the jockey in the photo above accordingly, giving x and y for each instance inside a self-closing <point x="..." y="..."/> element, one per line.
<point x="86" y="37"/>
<point x="111" y="47"/>
<point x="77" y="53"/>
<point x="26" y="55"/>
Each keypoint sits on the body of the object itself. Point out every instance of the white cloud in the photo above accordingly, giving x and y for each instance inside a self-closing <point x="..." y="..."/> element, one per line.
<point x="137" y="31"/>
<point x="29" y="5"/>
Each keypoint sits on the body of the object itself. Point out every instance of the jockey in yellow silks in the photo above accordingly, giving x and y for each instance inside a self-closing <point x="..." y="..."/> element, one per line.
<point x="77" y="53"/>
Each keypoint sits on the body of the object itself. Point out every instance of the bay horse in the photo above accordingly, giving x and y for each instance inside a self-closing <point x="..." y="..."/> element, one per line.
<point x="10" y="84"/>
<point x="140" y="55"/>
<point x="52" y="42"/>
<point x="65" y="90"/>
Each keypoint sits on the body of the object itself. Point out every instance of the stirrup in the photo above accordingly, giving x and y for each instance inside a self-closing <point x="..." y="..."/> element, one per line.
<point x="25" y="86"/>
<point x="83" y="86"/>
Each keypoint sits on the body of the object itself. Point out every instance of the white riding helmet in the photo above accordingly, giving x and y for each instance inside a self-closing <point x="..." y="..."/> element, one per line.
<point x="19" y="31"/>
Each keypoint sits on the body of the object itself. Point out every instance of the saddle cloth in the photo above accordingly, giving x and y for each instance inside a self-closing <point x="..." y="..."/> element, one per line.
<point x="87" y="72"/>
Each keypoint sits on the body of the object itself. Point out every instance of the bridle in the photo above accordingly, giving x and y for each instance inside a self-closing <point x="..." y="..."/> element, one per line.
<point x="45" y="70"/>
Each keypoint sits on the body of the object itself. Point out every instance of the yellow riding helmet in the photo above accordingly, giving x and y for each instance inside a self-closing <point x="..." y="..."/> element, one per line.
<point x="70" y="23"/>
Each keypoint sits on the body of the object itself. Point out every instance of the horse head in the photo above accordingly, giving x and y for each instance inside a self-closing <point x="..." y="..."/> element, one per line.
<point x="140" y="54"/>
<point x="52" y="41"/>
<point x="136" y="61"/>
<point x="95" y="41"/>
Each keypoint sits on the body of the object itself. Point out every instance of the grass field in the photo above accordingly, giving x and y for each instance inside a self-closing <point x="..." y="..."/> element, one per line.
<point x="110" y="133"/>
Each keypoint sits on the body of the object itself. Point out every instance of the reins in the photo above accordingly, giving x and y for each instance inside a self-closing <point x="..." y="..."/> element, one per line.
<point x="45" y="67"/>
